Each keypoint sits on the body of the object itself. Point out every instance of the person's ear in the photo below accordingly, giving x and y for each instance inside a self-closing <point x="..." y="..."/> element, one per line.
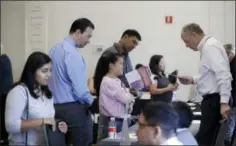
<point x="78" y="32"/>
<point x="156" y="131"/>
<point x="111" y="66"/>
<point x="125" y="37"/>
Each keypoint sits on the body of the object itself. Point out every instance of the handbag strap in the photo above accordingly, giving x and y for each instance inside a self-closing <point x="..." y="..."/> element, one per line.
<point x="27" y="113"/>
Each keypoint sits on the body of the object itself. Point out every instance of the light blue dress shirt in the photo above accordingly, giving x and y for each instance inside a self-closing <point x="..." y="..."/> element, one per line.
<point x="68" y="82"/>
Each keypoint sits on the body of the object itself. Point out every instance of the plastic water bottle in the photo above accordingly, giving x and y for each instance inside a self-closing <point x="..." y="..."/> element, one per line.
<point x="112" y="128"/>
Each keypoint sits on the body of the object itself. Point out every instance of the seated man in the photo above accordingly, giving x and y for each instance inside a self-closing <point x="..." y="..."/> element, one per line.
<point x="157" y="125"/>
<point x="185" y="120"/>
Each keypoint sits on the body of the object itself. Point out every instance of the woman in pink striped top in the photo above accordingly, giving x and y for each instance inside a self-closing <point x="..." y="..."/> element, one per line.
<point x="113" y="97"/>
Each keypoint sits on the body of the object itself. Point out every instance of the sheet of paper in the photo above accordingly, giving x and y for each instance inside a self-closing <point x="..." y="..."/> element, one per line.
<point x="193" y="108"/>
<point x="191" y="104"/>
<point x="197" y="113"/>
<point x="132" y="76"/>
<point x="134" y="80"/>
<point x="133" y="136"/>
<point x="145" y="96"/>
<point x="196" y="122"/>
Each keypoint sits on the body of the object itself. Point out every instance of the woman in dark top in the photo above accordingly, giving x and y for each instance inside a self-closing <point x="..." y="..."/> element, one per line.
<point x="161" y="89"/>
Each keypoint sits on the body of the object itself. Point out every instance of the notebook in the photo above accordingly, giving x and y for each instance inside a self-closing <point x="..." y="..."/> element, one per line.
<point x="140" y="78"/>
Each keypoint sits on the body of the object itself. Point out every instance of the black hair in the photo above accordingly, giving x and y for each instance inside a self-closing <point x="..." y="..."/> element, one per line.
<point x="185" y="114"/>
<point x="132" y="33"/>
<point x="163" y="115"/>
<point x="154" y="64"/>
<point x="35" y="61"/>
<point x="138" y="66"/>
<point x="82" y="24"/>
<point x="102" y="68"/>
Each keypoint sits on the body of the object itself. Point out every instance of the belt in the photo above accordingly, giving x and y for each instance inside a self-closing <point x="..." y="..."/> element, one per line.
<point x="211" y="95"/>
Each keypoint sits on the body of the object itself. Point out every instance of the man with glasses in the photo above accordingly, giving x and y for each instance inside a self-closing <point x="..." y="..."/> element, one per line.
<point x="157" y="125"/>
<point x="129" y="40"/>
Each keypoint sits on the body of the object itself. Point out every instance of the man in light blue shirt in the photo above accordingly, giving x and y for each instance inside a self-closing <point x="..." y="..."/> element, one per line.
<point x="69" y="83"/>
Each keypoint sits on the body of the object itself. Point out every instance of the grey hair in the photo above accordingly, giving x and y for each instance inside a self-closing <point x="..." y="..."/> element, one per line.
<point x="192" y="27"/>
<point x="228" y="47"/>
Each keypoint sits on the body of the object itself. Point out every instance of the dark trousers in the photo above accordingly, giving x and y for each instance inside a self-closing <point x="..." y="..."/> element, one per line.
<point x="79" y="121"/>
<point x="3" y="134"/>
<point x="210" y="120"/>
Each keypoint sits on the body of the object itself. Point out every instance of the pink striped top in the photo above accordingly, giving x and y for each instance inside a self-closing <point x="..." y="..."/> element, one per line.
<point x="113" y="98"/>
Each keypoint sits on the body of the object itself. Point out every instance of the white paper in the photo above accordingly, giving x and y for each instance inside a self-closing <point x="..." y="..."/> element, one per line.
<point x="191" y="104"/>
<point x="145" y="96"/>
<point x="132" y="76"/>
<point x="133" y="136"/>
<point x="196" y="122"/>
<point x="193" y="108"/>
<point x="197" y="113"/>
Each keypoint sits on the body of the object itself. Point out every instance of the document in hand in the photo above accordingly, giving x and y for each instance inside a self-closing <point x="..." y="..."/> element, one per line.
<point x="173" y="77"/>
<point x="140" y="78"/>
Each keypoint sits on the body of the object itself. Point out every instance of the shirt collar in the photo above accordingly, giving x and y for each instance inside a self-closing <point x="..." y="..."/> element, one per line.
<point x="119" y="49"/>
<point x="71" y="41"/>
<point x="181" y="129"/>
<point x="172" y="141"/>
<point x="202" y="42"/>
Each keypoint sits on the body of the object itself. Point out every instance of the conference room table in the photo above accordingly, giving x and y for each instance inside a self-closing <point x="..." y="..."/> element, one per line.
<point x="133" y="138"/>
<point x="140" y="103"/>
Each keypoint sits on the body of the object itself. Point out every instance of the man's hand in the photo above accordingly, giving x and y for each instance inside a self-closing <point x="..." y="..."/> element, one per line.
<point x="224" y="110"/>
<point x="63" y="127"/>
<point x="186" y="80"/>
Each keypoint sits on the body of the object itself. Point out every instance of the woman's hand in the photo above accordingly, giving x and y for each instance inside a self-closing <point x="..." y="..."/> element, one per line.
<point x="172" y="87"/>
<point x="50" y="121"/>
<point x="133" y="91"/>
<point x="176" y="86"/>
<point x="63" y="127"/>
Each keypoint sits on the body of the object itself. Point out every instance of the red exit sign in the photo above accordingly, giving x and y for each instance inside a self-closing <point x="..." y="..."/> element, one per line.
<point x="169" y="19"/>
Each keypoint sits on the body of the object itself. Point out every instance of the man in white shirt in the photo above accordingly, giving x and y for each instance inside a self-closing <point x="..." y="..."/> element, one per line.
<point x="213" y="81"/>
<point x="157" y="125"/>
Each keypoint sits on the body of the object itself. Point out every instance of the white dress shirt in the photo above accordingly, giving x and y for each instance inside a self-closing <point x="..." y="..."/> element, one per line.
<point x="214" y="71"/>
<point x="172" y="141"/>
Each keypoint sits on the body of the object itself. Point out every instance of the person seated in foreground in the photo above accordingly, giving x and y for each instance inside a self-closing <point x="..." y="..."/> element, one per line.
<point x="185" y="120"/>
<point x="157" y="125"/>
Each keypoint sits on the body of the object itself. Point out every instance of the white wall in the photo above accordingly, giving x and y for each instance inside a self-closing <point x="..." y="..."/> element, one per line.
<point x="111" y="18"/>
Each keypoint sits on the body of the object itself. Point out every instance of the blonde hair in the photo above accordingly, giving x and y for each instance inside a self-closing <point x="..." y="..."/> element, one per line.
<point x="192" y="27"/>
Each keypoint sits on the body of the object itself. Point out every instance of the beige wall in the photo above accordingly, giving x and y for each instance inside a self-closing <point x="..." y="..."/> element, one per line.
<point x="13" y="33"/>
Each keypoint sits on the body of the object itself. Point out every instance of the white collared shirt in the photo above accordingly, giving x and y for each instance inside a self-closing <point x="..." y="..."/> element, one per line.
<point x="172" y="141"/>
<point x="214" y="71"/>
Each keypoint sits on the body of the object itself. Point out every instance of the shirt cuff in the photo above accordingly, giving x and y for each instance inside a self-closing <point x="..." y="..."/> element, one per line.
<point x="195" y="78"/>
<point x="224" y="99"/>
<point x="90" y="100"/>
